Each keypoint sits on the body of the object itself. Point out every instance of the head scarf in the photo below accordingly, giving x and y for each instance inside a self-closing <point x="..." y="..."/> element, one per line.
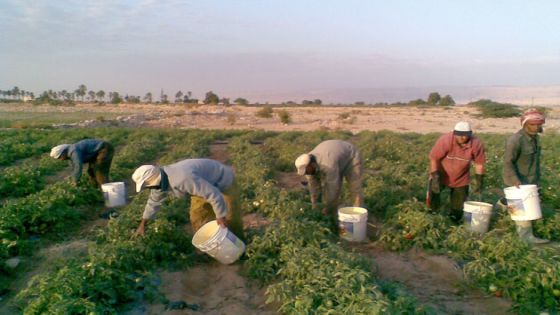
<point x="532" y="115"/>
<point x="57" y="151"/>
<point x="146" y="175"/>
<point x="301" y="163"/>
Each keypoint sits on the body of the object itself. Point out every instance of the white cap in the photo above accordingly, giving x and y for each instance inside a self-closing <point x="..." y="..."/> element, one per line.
<point x="149" y="174"/>
<point x="57" y="151"/>
<point x="463" y="127"/>
<point x="301" y="163"/>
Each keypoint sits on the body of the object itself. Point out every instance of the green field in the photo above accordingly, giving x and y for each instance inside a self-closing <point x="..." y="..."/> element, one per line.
<point x="301" y="262"/>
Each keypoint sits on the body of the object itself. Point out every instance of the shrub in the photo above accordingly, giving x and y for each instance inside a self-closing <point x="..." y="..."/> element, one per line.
<point x="265" y="112"/>
<point x="284" y="116"/>
<point x="491" y="109"/>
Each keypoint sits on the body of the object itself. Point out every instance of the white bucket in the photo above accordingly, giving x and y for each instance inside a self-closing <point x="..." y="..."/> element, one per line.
<point x="218" y="242"/>
<point x="352" y="223"/>
<point x="523" y="202"/>
<point x="114" y="194"/>
<point x="477" y="216"/>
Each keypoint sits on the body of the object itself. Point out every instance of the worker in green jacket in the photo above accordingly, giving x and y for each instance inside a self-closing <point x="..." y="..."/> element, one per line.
<point x="522" y="164"/>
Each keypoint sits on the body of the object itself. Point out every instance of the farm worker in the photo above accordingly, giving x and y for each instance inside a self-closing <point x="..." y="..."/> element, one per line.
<point x="324" y="168"/>
<point x="450" y="161"/>
<point x="98" y="154"/>
<point x="210" y="184"/>
<point x="522" y="164"/>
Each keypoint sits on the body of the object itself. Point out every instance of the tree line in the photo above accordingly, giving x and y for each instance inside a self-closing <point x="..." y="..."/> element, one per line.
<point x="84" y="95"/>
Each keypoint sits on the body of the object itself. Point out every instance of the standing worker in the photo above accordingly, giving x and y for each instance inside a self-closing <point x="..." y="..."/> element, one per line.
<point x="211" y="185"/>
<point x="450" y="161"/>
<point x="522" y="164"/>
<point x="97" y="153"/>
<point x="324" y="168"/>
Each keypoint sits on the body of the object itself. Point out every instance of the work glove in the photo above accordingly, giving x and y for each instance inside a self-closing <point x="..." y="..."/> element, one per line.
<point x="477" y="183"/>
<point x="435" y="184"/>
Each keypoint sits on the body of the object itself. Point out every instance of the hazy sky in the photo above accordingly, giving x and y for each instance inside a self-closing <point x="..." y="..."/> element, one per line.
<point x="240" y="48"/>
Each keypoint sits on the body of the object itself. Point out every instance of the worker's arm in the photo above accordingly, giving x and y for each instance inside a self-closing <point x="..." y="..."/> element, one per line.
<point x="511" y="155"/>
<point x="433" y="165"/>
<point x="479" y="169"/>
<point x="152" y="207"/>
<point x="332" y="188"/>
<point x="314" y="184"/>
<point x="77" y="165"/>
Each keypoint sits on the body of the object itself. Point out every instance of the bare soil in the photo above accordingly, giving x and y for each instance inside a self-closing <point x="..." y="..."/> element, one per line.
<point x="354" y="119"/>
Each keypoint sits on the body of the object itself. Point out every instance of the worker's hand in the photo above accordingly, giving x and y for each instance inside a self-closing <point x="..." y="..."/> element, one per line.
<point x="435" y="184"/>
<point x="478" y="183"/>
<point x="517" y="184"/>
<point x="221" y="221"/>
<point x="140" y="229"/>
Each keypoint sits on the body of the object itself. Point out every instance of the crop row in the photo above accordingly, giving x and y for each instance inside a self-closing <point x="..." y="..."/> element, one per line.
<point x="29" y="177"/>
<point x="311" y="273"/>
<point x="118" y="268"/>
<point x="54" y="209"/>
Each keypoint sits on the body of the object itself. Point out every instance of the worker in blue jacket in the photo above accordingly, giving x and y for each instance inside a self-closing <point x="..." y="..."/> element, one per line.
<point x="98" y="154"/>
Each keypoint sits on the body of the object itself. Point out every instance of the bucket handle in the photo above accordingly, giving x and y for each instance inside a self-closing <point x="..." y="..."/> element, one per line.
<point x="529" y="195"/>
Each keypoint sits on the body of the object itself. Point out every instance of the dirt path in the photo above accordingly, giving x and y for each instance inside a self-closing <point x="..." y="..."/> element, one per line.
<point x="215" y="288"/>
<point x="435" y="280"/>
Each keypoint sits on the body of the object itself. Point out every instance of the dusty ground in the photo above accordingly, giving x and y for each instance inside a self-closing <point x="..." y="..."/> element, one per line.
<point x="406" y="119"/>
<point x="436" y="281"/>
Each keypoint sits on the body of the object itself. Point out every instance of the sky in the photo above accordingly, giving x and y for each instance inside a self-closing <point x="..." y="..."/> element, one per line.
<point x="273" y="50"/>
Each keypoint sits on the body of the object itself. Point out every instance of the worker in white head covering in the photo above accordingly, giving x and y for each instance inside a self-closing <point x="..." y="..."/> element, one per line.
<point x="210" y="185"/>
<point x="98" y="154"/>
<point x="324" y="167"/>
<point x="450" y="161"/>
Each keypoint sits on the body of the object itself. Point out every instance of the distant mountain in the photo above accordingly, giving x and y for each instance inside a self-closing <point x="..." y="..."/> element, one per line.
<point x="535" y="95"/>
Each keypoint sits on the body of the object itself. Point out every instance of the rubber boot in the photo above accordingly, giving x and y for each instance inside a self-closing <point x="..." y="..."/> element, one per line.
<point x="525" y="232"/>
<point x="501" y="205"/>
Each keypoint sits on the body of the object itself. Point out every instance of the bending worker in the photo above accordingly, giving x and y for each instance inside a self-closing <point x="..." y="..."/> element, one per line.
<point x="98" y="154"/>
<point x="522" y="164"/>
<point x="210" y="184"/>
<point x="324" y="168"/>
<point x="450" y="161"/>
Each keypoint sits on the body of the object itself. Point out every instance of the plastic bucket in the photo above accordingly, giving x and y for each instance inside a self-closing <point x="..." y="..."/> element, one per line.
<point x="523" y="202"/>
<point x="477" y="216"/>
<point x="352" y="223"/>
<point x="114" y="194"/>
<point x="218" y="242"/>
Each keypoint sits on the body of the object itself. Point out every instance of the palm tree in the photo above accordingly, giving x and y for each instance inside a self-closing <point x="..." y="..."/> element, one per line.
<point x="178" y="96"/>
<point x="81" y="91"/>
<point x="100" y="95"/>
<point x="148" y="97"/>
<point x="15" y="92"/>
<point x="91" y="95"/>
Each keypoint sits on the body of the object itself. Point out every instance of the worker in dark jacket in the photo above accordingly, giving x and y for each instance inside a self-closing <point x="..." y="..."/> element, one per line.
<point x="210" y="184"/>
<point x="325" y="167"/>
<point x="98" y="154"/>
<point x="522" y="164"/>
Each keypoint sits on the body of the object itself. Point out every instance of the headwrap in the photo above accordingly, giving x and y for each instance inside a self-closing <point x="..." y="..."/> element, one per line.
<point x="301" y="163"/>
<point x="57" y="151"/>
<point x="532" y="114"/>
<point x="146" y="175"/>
